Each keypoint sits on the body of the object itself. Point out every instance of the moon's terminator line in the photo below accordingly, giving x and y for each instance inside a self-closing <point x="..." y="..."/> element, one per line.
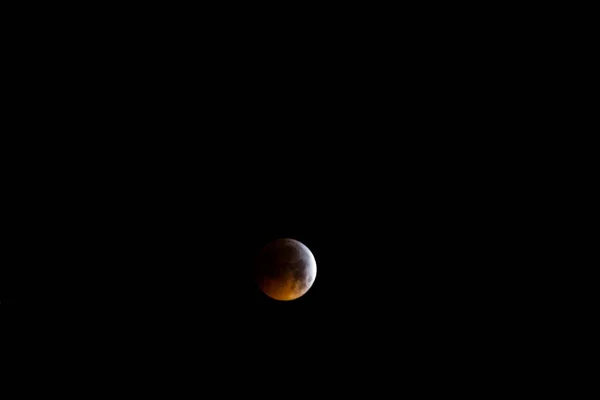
<point x="285" y="269"/>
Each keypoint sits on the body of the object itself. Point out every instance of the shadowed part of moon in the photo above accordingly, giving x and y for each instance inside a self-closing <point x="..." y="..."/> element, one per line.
<point x="286" y="269"/>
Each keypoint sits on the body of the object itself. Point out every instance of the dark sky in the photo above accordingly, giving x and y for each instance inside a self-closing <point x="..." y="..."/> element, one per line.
<point x="175" y="221"/>
<point x="165" y="178"/>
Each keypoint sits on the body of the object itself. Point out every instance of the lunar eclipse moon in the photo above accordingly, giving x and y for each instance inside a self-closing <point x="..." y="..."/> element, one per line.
<point x="285" y="269"/>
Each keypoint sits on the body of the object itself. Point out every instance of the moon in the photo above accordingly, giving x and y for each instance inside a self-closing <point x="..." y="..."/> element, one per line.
<point x="285" y="269"/>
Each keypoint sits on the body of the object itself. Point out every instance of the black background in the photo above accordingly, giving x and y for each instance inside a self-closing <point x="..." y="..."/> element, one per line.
<point x="149" y="175"/>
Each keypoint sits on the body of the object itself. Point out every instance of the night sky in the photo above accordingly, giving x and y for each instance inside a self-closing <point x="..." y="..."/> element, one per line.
<point x="151" y="208"/>
<point x="157" y="253"/>
<point x="176" y="225"/>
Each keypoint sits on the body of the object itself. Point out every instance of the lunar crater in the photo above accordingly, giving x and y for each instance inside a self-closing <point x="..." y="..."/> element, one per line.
<point x="286" y="269"/>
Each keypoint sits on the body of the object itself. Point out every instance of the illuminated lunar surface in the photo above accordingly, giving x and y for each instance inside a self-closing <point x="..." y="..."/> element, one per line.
<point x="286" y="269"/>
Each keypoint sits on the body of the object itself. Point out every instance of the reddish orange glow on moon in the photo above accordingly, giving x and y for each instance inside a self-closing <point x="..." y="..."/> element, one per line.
<point x="286" y="269"/>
